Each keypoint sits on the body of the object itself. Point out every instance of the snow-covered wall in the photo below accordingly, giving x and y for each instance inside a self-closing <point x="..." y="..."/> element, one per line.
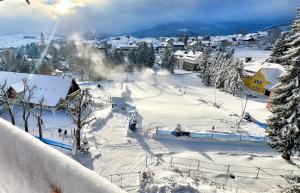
<point x="29" y="166"/>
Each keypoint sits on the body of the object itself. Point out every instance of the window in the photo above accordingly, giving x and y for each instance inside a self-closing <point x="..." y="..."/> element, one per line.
<point x="258" y="82"/>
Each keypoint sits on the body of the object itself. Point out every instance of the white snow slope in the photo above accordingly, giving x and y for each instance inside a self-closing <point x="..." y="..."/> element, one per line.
<point x="29" y="166"/>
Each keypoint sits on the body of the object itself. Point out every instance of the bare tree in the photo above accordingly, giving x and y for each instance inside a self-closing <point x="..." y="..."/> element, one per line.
<point x="39" y="116"/>
<point x="6" y="102"/>
<point x="25" y="99"/>
<point x="80" y="110"/>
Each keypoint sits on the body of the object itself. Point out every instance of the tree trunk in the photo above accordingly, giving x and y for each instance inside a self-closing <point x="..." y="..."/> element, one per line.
<point x="77" y="136"/>
<point x="12" y="117"/>
<point x="40" y="128"/>
<point x="26" y="126"/>
<point x="286" y="155"/>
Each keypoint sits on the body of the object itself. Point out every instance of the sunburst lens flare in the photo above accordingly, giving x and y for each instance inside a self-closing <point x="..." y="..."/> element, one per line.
<point x="64" y="6"/>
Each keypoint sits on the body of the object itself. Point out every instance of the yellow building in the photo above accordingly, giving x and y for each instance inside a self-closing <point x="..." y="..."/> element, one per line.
<point x="261" y="77"/>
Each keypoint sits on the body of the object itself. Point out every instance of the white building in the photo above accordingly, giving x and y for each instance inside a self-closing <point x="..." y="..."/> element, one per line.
<point x="188" y="61"/>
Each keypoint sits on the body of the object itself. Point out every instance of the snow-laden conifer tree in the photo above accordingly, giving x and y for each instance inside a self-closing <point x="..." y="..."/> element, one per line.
<point x="234" y="82"/>
<point x="279" y="49"/>
<point x="168" y="60"/>
<point x="150" y="56"/>
<point x="204" y="61"/>
<point x="284" y="122"/>
<point x="293" y="42"/>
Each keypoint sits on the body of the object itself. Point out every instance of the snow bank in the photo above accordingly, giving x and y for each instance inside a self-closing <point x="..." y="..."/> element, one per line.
<point x="27" y="165"/>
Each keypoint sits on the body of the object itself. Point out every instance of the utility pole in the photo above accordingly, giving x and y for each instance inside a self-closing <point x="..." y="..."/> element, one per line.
<point x="215" y="97"/>
<point x="243" y="111"/>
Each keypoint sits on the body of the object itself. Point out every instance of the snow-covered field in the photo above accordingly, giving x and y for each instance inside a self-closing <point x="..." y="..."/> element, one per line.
<point x="164" y="100"/>
<point x="255" y="53"/>
<point x="17" y="40"/>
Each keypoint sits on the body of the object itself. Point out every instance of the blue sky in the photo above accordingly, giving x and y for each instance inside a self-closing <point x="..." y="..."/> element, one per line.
<point x="119" y="16"/>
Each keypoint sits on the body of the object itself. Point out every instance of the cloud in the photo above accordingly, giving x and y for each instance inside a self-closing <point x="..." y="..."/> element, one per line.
<point x="117" y="16"/>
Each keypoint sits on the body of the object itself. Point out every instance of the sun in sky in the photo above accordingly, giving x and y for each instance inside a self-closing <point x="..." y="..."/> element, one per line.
<point x="64" y="6"/>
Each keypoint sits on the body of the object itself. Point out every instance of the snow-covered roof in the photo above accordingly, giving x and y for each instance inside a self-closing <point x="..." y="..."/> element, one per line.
<point x="271" y="72"/>
<point x="252" y="67"/>
<point x="52" y="88"/>
<point x="193" y="43"/>
<point x="188" y="56"/>
<point x="178" y="43"/>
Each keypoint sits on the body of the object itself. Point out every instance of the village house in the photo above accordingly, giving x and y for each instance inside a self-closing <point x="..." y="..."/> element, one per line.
<point x="262" y="77"/>
<point x="194" y="45"/>
<point x="55" y="90"/>
<point x="188" y="61"/>
<point x="171" y="43"/>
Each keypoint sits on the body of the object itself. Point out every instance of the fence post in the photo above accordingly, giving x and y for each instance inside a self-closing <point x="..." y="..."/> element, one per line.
<point x="171" y="162"/>
<point x="146" y="160"/>
<point x="111" y="178"/>
<point x="227" y="173"/>
<point x="198" y="166"/>
<point x="121" y="181"/>
<point x="258" y="169"/>
<point x="212" y="135"/>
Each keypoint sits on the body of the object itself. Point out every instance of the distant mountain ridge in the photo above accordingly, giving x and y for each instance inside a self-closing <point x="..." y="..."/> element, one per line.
<point x="195" y="29"/>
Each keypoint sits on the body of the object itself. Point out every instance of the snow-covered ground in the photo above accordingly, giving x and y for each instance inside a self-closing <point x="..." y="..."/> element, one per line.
<point x="257" y="54"/>
<point x="160" y="102"/>
<point x="28" y="165"/>
<point x="164" y="100"/>
<point x="17" y="40"/>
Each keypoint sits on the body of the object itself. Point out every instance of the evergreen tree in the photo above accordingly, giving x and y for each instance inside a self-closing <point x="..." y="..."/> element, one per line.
<point x="118" y="57"/>
<point x="142" y="55"/>
<point x="204" y="61"/>
<point x="132" y="56"/>
<point x="293" y="42"/>
<point x="33" y="51"/>
<point x="168" y="60"/>
<point x="19" y="60"/>
<point x="150" y="56"/>
<point x="279" y="49"/>
<point x="284" y="123"/>
<point x="234" y="82"/>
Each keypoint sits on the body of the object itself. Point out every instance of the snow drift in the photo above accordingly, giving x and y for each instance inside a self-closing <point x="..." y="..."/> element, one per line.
<point x="27" y="165"/>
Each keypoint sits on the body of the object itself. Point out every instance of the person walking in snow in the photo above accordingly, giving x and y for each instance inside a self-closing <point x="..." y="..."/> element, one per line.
<point x="59" y="131"/>
<point x="65" y="133"/>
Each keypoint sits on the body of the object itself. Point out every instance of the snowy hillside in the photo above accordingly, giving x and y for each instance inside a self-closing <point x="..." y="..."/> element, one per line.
<point x="17" y="40"/>
<point x="29" y="166"/>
